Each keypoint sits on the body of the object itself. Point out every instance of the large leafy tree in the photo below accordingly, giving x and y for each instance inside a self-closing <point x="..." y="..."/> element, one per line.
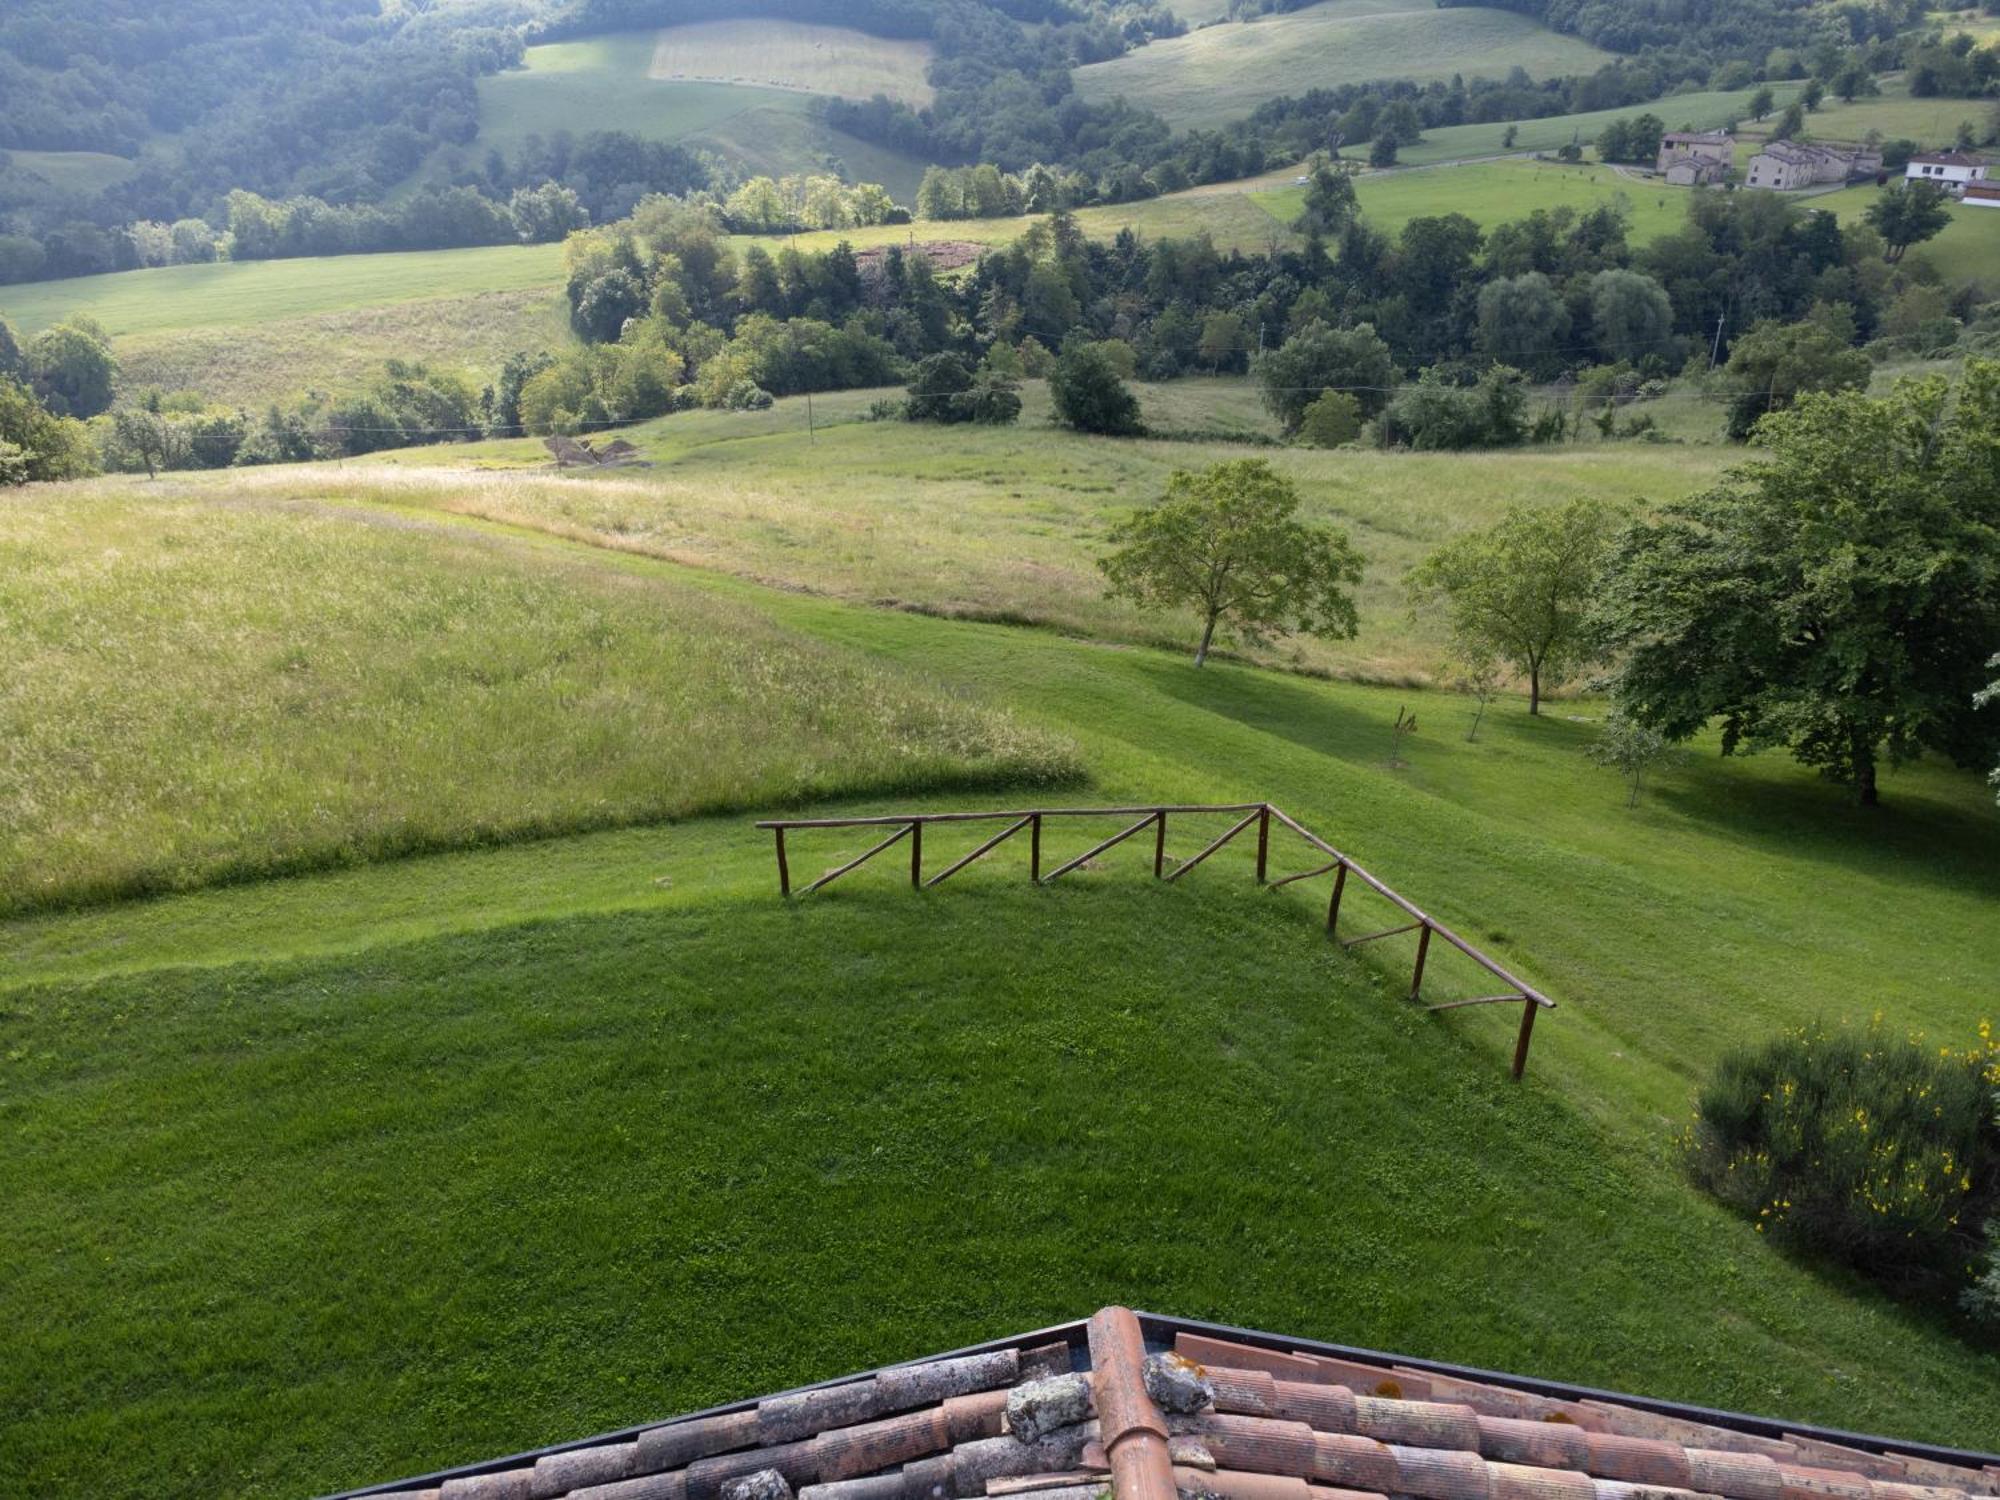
<point x="1839" y="600"/>
<point x="1909" y="215"/>
<point x="72" y="368"/>
<point x="1089" y="394"/>
<point x="1319" y="359"/>
<point x="1227" y="544"/>
<point x="1520" y="590"/>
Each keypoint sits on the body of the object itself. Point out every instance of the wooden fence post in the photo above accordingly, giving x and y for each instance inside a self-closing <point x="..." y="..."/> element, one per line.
<point x="1263" y="842"/>
<point x="1528" y="1009"/>
<point x="917" y="855"/>
<point x="1160" y="846"/>
<point x="784" y="870"/>
<point x="1333" y="906"/>
<point x="1035" y="850"/>
<point x="1423" y="947"/>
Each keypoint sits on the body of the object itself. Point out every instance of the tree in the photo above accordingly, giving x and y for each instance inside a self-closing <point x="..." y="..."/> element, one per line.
<point x="1509" y="136"/>
<point x="1908" y="215"/>
<point x="1521" y="590"/>
<point x="1790" y="123"/>
<point x="1631" y="316"/>
<point x="1332" y="420"/>
<point x="1226" y="544"/>
<point x="1523" y="322"/>
<point x="72" y="368"/>
<point x="938" y="389"/>
<point x="1761" y="103"/>
<point x="46" y="446"/>
<point x="1629" y="748"/>
<point x="1775" y="363"/>
<point x="1089" y="394"/>
<point x="1330" y="202"/>
<point x="1839" y="600"/>
<point x="145" y="439"/>
<point x="1382" y="152"/>
<point x="1318" y="359"/>
<point x="1473" y="670"/>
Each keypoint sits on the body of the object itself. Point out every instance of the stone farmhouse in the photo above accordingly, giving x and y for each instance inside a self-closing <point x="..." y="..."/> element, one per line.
<point x="1953" y="171"/>
<point x="1788" y="165"/>
<point x="1689" y="158"/>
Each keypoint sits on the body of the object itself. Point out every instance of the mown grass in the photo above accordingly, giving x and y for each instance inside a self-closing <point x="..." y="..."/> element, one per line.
<point x="284" y="1224"/>
<point x="229" y="679"/>
<point x="1968" y="248"/>
<point x="795" y="55"/>
<point x="1008" y="523"/>
<point x="1221" y="73"/>
<point x="237" y="294"/>
<point x="1699" y="111"/>
<point x="1495" y="192"/>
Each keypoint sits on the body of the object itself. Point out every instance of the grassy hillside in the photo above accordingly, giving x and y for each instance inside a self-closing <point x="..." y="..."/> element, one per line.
<point x="174" y="299"/>
<point x="267" y="683"/>
<point x="313" y="1161"/>
<point x="1008" y="523"/>
<point x="1704" y="111"/>
<point x="1928" y="122"/>
<point x="1968" y="249"/>
<point x="83" y="172"/>
<point x="663" y="85"/>
<point x="792" y="55"/>
<point x="1492" y="192"/>
<point x="1222" y="72"/>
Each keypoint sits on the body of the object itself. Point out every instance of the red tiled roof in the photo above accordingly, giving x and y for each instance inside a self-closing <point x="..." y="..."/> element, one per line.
<point x="1105" y="1413"/>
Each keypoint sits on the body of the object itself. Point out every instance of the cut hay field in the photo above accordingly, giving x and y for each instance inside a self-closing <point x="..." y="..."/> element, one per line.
<point x="218" y="679"/>
<point x="1223" y="72"/>
<point x="625" y="81"/>
<point x="1493" y="192"/>
<point x="1007" y="523"/>
<point x="793" y="55"/>
<point x="301" y="1168"/>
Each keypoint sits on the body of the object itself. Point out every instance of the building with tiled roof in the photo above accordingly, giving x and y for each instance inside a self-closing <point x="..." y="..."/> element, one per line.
<point x="1982" y="194"/>
<point x="1788" y="165"/>
<point x="1690" y="157"/>
<point x="1128" y="1406"/>
<point x="1953" y="171"/>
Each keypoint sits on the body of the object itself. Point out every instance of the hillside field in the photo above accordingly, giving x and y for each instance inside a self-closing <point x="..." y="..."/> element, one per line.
<point x="1967" y="249"/>
<point x="305" y="1164"/>
<point x="663" y="85"/>
<point x="1222" y="72"/>
<point x="1699" y="111"/>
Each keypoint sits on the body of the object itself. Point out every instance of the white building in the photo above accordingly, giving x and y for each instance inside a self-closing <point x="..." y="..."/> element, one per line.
<point x="1951" y="170"/>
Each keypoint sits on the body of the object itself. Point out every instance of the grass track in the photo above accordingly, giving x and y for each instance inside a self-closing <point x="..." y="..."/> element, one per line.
<point x="499" y="1093"/>
<point x="1221" y="73"/>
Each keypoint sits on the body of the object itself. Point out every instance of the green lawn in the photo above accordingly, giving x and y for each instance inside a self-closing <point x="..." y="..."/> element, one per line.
<point x="333" y="1179"/>
<point x="1493" y="192"/>
<point x="1704" y="111"/>
<point x="1221" y="73"/>
<point x="175" y="299"/>
<point x="1968" y="249"/>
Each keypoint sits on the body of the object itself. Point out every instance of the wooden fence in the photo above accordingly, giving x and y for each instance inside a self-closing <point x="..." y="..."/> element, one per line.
<point x="1262" y="815"/>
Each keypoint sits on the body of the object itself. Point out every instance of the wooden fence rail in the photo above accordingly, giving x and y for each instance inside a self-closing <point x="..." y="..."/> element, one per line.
<point x="901" y="826"/>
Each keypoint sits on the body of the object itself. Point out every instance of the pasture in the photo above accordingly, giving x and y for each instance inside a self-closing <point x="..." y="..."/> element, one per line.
<point x="1222" y="72"/>
<point x="792" y="55"/>
<point x="1931" y="123"/>
<point x="308" y="1163"/>
<point x="289" y="684"/>
<point x="1493" y="192"/>
<point x="1006" y="523"/>
<point x="1697" y="111"/>
<point x="1967" y="249"/>
<point x="81" y="172"/>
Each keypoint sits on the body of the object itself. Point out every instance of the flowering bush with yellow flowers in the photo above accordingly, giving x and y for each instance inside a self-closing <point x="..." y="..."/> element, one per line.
<point x="1879" y="1150"/>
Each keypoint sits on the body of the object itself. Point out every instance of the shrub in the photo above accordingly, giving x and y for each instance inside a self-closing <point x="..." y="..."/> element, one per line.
<point x="1857" y="1145"/>
<point x="1334" y="419"/>
<point x="1089" y="395"/>
<point x="747" y="395"/>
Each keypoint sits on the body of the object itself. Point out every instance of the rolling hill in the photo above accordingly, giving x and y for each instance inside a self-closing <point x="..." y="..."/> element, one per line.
<point x="1222" y="72"/>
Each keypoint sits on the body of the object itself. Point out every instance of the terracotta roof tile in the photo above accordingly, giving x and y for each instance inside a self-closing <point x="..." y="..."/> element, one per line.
<point x="1255" y="1422"/>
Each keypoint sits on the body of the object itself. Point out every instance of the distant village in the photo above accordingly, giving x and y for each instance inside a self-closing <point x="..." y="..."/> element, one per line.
<point x="1691" y="158"/>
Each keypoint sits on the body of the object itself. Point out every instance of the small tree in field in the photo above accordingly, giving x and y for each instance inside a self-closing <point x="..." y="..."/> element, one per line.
<point x="1474" y="671"/>
<point x="1330" y="421"/>
<point x="1225" y="543"/>
<point x="1630" y="749"/>
<point x="1520" y="591"/>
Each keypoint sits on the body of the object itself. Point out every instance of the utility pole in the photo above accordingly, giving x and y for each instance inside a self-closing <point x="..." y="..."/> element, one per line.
<point x="812" y="435"/>
<point x="1716" y="353"/>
